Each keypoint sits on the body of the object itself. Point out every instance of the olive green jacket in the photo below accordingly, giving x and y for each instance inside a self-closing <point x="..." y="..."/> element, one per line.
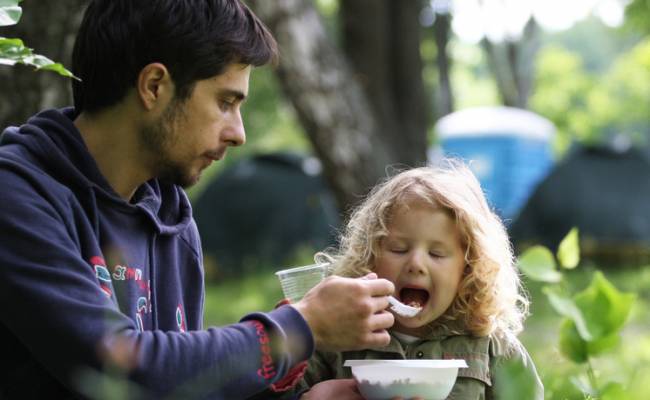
<point x="483" y="355"/>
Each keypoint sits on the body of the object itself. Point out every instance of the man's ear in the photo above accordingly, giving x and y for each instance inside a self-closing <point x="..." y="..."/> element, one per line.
<point x="154" y="86"/>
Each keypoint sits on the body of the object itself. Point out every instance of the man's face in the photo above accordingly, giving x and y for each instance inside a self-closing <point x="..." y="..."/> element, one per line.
<point x="192" y="133"/>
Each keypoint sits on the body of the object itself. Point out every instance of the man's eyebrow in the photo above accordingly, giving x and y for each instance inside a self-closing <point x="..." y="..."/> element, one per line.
<point x="232" y="93"/>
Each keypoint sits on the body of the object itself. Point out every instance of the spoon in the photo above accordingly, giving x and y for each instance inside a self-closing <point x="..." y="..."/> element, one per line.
<point x="402" y="309"/>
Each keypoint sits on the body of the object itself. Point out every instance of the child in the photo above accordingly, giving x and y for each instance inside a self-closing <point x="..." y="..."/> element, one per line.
<point x="430" y="231"/>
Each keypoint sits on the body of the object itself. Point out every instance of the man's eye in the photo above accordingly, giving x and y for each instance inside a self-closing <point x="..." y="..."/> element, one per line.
<point x="226" y="105"/>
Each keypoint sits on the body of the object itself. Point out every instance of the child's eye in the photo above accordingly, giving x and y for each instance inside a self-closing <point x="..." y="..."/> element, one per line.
<point x="435" y="254"/>
<point x="398" y="250"/>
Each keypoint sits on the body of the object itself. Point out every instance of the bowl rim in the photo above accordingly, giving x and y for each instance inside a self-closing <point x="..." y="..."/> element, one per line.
<point x="450" y="363"/>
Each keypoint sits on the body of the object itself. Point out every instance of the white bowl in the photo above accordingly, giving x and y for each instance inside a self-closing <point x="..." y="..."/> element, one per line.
<point x="385" y="379"/>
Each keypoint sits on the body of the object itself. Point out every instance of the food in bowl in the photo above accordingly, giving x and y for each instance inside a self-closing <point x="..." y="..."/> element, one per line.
<point x="385" y="379"/>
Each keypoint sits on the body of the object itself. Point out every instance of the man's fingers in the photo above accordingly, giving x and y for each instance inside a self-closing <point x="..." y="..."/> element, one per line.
<point x="381" y="321"/>
<point x="370" y="275"/>
<point x="379" y="303"/>
<point x="380" y="287"/>
<point x="377" y="339"/>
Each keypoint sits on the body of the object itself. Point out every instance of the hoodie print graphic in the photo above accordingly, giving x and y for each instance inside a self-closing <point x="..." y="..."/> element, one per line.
<point x="102" y="274"/>
<point x="180" y="318"/>
<point x="136" y="286"/>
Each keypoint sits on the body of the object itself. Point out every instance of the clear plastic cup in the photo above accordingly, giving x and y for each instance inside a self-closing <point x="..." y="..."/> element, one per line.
<point x="297" y="281"/>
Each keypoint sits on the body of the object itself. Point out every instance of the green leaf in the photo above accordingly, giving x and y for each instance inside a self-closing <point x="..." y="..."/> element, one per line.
<point x="582" y="383"/>
<point x="568" y="253"/>
<point x="60" y="69"/>
<point x="7" y="44"/>
<point x="595" y="317"/>
<point x="614" y="391"/>
<point x="602" y="344"/>
<point x="604" y="308"/>
<point x="13" y="51"/>
<point x="538" y="264"/>
<point x="515" y="381"/>
<point x="568" y="308"/>
<point x="571" y="344"/>
<point x="10" y="12"/>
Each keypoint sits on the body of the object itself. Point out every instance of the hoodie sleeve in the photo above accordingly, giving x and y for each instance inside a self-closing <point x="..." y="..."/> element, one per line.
<point x="55" y="307"/>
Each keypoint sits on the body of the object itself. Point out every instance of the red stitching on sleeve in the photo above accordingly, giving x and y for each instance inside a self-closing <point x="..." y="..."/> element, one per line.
<point x="291" y="379"/>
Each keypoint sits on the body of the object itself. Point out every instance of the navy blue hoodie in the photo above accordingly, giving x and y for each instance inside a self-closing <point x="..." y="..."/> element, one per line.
<point x="81" y="269"/>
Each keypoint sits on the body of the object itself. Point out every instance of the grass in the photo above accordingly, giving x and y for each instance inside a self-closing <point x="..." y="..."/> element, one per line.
<point x="228" y="301"/>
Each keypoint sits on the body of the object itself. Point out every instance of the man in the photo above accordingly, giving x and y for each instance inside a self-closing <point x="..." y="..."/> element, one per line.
<point x="100" y="262"/>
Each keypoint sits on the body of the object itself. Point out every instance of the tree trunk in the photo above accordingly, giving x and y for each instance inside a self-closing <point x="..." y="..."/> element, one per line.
<point x="49" y="27"/>
<point x="511" y="63"/>
<point x="329" y="101"/>
<point x="364" y="111"/>
<point x="441" y="33"/>
<point x="381" y="39"/>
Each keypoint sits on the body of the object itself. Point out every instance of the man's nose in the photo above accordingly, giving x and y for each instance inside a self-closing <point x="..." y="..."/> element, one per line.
<point x="235" y="134"/>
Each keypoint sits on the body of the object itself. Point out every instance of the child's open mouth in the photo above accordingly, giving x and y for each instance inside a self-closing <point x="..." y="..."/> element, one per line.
<point x="414" y="297"/>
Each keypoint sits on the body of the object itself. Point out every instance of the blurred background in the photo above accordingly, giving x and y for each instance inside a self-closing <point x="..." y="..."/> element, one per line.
<point x="548" y="100"/>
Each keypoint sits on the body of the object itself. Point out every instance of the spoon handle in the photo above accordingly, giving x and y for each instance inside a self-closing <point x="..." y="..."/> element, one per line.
<point x="402" y="309"/>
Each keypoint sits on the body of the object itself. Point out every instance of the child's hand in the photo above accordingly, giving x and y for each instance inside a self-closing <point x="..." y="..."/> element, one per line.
<point x="339" y="389"/>
<point x="348" y="314"/>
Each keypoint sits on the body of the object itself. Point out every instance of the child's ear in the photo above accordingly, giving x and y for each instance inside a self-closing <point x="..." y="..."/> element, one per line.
<point x="467" y="270"/>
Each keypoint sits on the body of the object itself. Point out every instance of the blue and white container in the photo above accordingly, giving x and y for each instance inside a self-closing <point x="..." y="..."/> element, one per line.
<point x="509" y="150"/>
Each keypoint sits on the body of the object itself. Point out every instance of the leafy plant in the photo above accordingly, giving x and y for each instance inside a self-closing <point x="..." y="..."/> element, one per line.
<point x="13" y="51"/>
<point x="592" y="318"/>
<point x="591" y="107"/>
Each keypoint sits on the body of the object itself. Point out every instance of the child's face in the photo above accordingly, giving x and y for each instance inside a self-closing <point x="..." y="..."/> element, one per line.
<point x="424" y="257"/>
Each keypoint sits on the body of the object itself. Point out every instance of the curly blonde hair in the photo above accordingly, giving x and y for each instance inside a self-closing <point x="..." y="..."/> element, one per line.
<point x="490" y="298"/>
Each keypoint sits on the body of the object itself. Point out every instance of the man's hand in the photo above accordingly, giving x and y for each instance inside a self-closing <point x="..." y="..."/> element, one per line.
<point x="348" y="314"/>
<point x="339" y="389"/>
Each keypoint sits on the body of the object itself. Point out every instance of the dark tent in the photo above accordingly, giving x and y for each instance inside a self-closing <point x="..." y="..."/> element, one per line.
<point x="262" y="211"/>
<point x="603" y="192"/>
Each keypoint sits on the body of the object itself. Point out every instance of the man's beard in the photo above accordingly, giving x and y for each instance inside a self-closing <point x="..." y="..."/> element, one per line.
<point x="158" y="138"/>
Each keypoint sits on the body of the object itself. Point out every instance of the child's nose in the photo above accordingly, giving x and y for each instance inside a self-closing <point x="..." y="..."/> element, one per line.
<point x="417" y="263"/>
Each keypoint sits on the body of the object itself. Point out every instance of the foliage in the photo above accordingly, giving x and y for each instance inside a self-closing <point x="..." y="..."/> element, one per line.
<point x="229" y="301"/>
<point x="13" y="51"/>
<point x="593" y="318"/>
<point x="590" y="108"/>
<point x="516" y="382"/>
<point x="535" y="264"/>
<point x="637" y="14"/>
<point x="471" y="77"/>
<point x="561" y="85"/>
<point x="568" y="252"/>
<point x="595" y="43"/>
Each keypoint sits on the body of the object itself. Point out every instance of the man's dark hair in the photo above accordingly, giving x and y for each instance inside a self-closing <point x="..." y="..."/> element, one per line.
<point x="194" y="39"/>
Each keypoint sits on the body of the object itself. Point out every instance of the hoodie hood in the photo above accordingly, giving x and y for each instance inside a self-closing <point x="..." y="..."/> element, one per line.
<point x="51" y="140"/>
